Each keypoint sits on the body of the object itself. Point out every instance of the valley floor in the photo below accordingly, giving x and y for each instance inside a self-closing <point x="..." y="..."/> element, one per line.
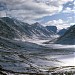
<point x="45" y="62"/>
<point x="42" y="59"/>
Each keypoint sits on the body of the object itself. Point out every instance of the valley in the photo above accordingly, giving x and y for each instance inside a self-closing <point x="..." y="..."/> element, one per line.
<point x="32" y="49"/>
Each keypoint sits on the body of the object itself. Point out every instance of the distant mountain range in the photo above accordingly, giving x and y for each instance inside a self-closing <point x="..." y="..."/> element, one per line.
<point x="68" y="38"/>
<point x="54" y="29"/>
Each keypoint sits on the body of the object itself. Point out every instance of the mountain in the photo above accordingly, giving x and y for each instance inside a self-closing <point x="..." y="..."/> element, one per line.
<point x="61" y="32"/>
<point x="11" y="29"/>
<point x="68" y="37"/>
<point x="6" y="31"/>
<point x="24" y="30"/>
<point x="19" y="28"/>
<point x="41" y="31"/>
<point x="52" y="28"/>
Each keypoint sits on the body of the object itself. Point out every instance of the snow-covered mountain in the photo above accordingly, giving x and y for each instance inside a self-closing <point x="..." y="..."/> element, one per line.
<point x="16" y="27"/>
<point x="68" y="37"/>
<point x="23" y="30"/>
<point x="41" y="31"/>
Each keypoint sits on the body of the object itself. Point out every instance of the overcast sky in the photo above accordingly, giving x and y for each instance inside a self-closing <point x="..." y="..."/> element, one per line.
<point x="47" y="12"/>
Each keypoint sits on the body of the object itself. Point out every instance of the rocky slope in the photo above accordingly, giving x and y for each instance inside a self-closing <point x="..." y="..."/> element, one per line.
<point x="68" y="37"/>
<point x="23" y="30"/>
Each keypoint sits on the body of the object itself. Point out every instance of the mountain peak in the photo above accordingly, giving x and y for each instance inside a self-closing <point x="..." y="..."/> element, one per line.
<point x="36" y="24"/>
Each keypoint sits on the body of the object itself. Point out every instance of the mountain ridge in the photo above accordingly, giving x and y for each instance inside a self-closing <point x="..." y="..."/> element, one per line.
<point x="68" y="37"/>
<point x="35" y="30"/>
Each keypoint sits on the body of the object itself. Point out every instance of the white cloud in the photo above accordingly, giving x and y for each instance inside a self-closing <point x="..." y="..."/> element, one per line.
<point x="72" y="23"/>
<point x="32" y="9"/>
<point x="60" y="24"/>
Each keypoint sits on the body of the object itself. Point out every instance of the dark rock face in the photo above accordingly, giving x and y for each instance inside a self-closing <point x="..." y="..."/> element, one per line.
<point x="53" y="28"/>
<point x="6" y="31"/>
<point x="18" y="27"/>
<point x="61" y="32"/>
<point x="68" y="37"/>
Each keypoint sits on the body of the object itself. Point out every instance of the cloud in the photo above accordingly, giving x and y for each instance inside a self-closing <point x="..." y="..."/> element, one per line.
<point x="2" y="6"/>
<point x="32" y="9"/>
<point x="69" y="7"/>
<point x="2" y="14"/>
<point x="59" y="23"/>
<point x="69" y="10"/>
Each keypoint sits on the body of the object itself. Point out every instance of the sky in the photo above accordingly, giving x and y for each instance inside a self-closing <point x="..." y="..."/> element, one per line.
<point x="60" y="13"/>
